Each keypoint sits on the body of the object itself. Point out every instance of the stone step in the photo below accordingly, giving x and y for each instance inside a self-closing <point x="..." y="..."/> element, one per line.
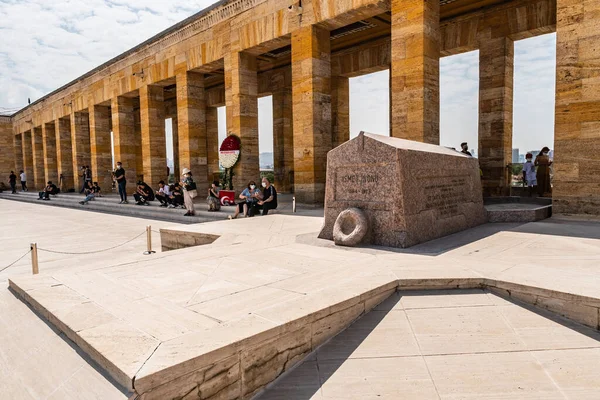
<point x="110" y="204"/>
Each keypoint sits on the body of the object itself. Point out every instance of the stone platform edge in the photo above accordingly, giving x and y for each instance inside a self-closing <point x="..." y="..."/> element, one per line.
<point x="247" y="360"/>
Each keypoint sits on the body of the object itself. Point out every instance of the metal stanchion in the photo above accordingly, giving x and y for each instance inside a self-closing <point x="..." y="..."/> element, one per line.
<point x="294" y="204"/>
<point x="149" y="240"/>
<point x="34" y="259"/>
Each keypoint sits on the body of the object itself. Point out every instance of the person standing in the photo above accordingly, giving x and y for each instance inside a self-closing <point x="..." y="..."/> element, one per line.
<point x="83" y="180"/>
<point x="23" y="181"/>
<point x="465" y="149"/>
<point x="529" y="176"/>
<point x="543" y="163"/>
<point x="121" y="182"/>
<point x="12" y="179"/>
<point x="88" y="174"/>
<point x="189" y="192"/>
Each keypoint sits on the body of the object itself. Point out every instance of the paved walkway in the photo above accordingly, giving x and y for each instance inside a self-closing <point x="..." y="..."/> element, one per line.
<point x="36" y="362"/>
<point x="259" y="268"/>
<point x="450" y="345"/>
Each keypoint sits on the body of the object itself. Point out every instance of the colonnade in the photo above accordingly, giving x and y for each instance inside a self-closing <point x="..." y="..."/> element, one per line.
<point x="310" y="91"/>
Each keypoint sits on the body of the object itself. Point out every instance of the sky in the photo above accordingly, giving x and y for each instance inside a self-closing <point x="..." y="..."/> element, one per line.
<point x="46" y="44"/>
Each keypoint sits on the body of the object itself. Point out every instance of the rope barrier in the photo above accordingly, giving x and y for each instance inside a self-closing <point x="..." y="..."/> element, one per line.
<point x="34" y="249"/>
<point x="14" y="262"/>
<point x="92" y="252"/>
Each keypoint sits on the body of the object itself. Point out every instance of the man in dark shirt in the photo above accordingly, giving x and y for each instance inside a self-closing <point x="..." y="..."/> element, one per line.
<point x="269" y="197"/>
<point x="465" y="149"/>
<point x="48" y="190"/>
<point x="143" y="194"/>
<point x="121" y="182"/>
<point x="12" y="179"/>
<point x="176" y="197"/>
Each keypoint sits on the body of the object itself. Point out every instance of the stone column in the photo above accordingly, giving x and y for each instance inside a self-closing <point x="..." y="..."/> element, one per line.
<point x="576" y="181"/>
<point x="212" y="141"/>
<point x="49" y="146"/>
<point x="139" y="158"/>
<point x="415" y="70"/>
<point x="175" y="129"/>
<point x="283" y="140"/>
<point x="38" y="159"/>
<point x="311" y="94"/>
<point x="496" y="57"/>
<point x="124" y="140"/>
<point x="191" y="119"/>
<point x="28" y="157"/>
<point x="101" y="151"/>
<point x="18" y="149"/>
<point x="154" y="148"/>
<point x="80" y="142"/>
<point x="241" y="88"/>
<point x="64" y="152"/>
<point x="340" y="110"/>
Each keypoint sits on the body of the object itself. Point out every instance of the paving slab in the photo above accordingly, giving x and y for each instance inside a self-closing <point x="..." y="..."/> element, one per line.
<point x="347" y="366"/>
<point x="268" y="285"/>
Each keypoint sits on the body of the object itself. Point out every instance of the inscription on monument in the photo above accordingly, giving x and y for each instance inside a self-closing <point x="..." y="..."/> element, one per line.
<point x="445" y="194"/>
<point x="368" y="185"/>
<point x="409" y="192"/>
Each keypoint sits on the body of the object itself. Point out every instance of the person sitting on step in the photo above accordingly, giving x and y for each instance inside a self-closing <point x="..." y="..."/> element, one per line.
<point x="48" y="190"/>
<point x="163" y="193"/>
<point x="87" y="189"/>
<point x="269" y="197"/>
<point x="97" y="190"/>
<point x="214" y="203"/>
<point x="176" y="196"/>
<point x="143" y="194"/>
<point x="90" y="193"/>
<point x="250" y="196"/>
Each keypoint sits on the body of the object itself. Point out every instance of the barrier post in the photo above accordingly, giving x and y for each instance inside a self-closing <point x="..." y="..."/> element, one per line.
<point x="294" y="204"/>
<point x="34" y="259"/>
<point x="149" y="240"/>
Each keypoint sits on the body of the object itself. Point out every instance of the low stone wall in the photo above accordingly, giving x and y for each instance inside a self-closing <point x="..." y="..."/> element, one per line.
<point x="249" y="355"/>
<point x="172" y="239"/>
<point x="581" y="309"/>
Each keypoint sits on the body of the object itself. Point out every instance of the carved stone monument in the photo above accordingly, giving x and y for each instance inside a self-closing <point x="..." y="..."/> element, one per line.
<point x="410" y="192"/>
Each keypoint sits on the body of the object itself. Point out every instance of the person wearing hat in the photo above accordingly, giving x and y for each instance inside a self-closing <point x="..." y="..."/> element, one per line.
<point x="189" y="192"/>
<point x="529" y="176"/>
<point x="543" y="163"/>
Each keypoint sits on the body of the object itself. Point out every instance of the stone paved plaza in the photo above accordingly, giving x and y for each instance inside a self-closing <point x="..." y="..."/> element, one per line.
<point x="460" y="344"/>
<point x="267" y="289"/>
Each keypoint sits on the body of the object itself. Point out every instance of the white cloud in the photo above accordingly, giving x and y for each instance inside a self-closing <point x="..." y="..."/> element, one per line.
<point x="370" y="103"/>
<point x="534" y="91"/>
<point x="459" y="99"/>
<point x="533" y="95"/>
<point x="46" y="44"/>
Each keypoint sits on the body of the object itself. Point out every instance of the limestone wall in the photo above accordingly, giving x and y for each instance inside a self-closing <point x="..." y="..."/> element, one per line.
<point x="7" y="154"/>
<point x="577" y="133"/>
